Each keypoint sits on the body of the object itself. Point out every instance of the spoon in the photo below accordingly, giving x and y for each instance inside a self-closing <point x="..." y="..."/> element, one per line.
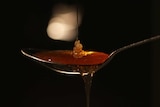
<point x="75" y="69"/>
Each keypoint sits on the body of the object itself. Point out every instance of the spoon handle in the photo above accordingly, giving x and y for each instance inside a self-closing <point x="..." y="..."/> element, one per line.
<point x="132" y="45"/>
<point x="112" y="54"/>
<point x="138" y="43"/>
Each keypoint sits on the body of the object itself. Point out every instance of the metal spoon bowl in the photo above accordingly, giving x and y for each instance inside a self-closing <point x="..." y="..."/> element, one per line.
<point x="67" y="69"/>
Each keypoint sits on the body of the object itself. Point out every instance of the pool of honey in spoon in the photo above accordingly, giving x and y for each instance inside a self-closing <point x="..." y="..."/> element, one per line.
<point x="66" y="57"/>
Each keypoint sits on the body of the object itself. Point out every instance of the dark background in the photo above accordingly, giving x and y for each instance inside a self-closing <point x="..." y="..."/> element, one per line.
<point x="131" y="79"/>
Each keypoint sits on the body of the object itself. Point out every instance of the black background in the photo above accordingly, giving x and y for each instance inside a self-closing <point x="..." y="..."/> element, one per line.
<point x="131" y="79"/>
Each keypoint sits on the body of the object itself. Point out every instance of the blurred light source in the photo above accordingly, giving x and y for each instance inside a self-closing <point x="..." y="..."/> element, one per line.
<point x="64" y="23"/>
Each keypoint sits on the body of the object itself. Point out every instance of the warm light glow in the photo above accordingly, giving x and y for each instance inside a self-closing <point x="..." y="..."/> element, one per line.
<point x="63" y="25"/>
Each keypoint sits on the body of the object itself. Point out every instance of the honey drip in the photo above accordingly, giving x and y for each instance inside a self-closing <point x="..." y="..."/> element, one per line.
<point x="78" y="51"/>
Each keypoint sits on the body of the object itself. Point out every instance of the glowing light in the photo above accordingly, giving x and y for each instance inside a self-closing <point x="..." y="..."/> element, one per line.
<point x="63" y="25"/>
